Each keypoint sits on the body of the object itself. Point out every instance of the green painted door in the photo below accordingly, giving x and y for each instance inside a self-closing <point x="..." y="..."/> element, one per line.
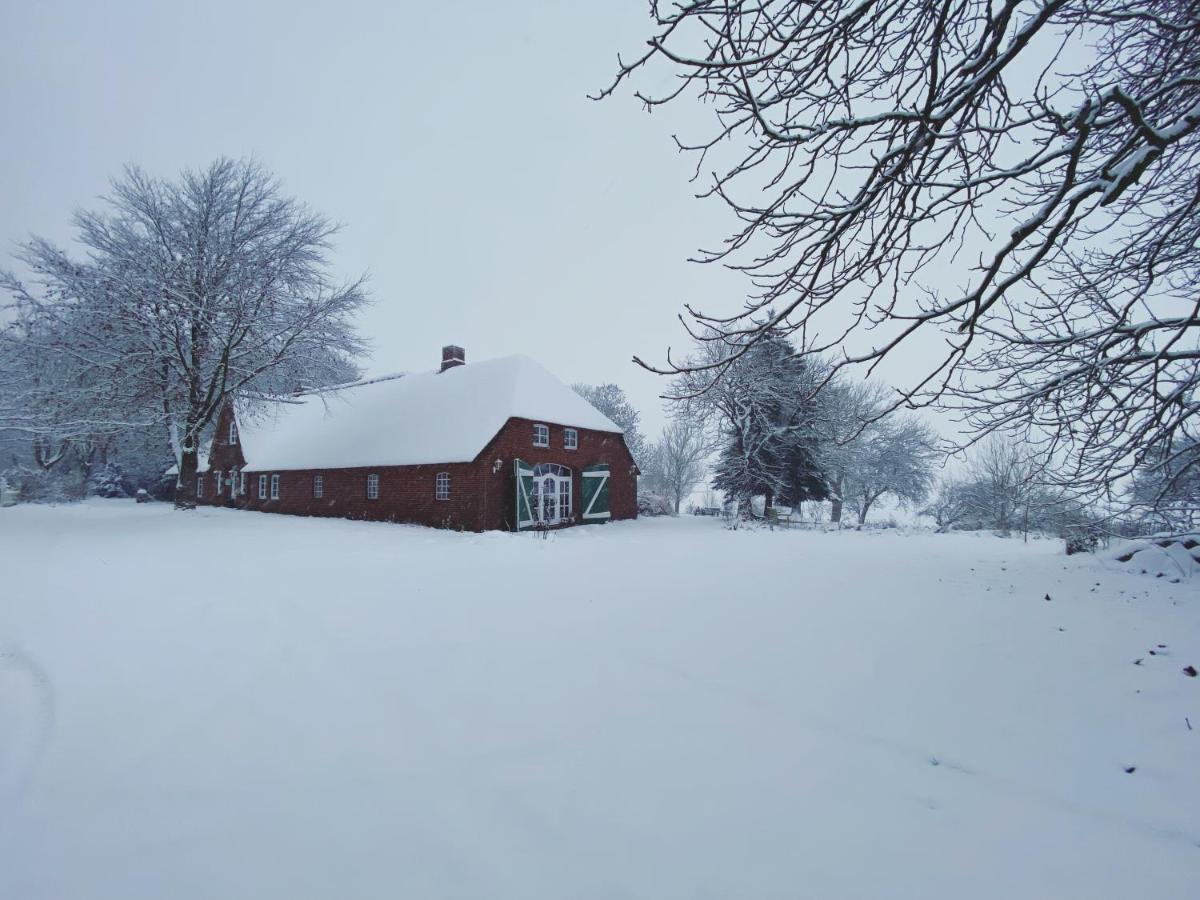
<point x="523" y="479"/>
<point x="594" y="502"/>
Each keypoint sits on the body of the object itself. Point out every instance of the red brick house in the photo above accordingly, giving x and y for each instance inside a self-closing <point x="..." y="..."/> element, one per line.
<point x="500" y="444"/>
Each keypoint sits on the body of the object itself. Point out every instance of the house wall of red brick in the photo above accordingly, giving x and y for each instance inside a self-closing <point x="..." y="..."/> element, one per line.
<point x="481" y="492"/>
<point x="515" y="441"/>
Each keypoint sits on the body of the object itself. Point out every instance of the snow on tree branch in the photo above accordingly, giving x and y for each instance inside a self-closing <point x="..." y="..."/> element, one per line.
<point x="1039" y="155"/>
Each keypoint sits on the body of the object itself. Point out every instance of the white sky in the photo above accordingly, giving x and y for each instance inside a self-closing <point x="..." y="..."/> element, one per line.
<point x="492" y="203"/>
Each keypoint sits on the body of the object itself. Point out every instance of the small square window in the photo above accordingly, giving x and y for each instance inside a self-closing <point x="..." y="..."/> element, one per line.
<point x="541" y="435"/>
<point x="570" y="439"/>
<point x="318" y="487"/>
<point x="274" y="487"/>
<point x="441" y="490"/>
<point x="262" y="487"/>
<point x="372" y="487"/>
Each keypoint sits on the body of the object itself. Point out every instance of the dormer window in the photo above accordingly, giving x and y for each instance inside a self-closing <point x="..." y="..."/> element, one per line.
<point x="541" y="435"/>
<point x="232" y="432"/>
<point x="570" y="439"/>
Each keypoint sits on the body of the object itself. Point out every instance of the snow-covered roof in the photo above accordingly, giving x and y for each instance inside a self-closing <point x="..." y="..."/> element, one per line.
<point x="201" y="467"/>
<point x="421" y="419"/>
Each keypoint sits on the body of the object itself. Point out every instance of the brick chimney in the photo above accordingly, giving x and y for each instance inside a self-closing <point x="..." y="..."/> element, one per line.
<point x="453" y="356"/>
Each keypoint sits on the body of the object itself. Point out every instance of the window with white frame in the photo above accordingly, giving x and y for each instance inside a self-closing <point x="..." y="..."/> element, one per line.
<point x="262" y="487"/>
<point x="219" y="479"/>
<point x="199" y="485"/>
<point x="541" y="435"/>
<point x="232" y="431"/>
<point x="274" y="487"/>
<point x="570" y="439"/>
<point x="372" y="487"/>
<point x="242" y="484"/>
<point x="441" y="489"/>
<point x="318" y="487"/>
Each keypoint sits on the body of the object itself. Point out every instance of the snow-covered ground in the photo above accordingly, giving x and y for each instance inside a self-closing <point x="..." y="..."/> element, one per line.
<point x="235" y="705"/>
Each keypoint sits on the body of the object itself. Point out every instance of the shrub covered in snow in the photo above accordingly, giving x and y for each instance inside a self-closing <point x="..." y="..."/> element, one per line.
<point x="37" y="485"/>
<point x="653" y="504"/>
<point x="1084" y="538"/>
<point x="1174" y="557"/>
<point x="108" y="481"/>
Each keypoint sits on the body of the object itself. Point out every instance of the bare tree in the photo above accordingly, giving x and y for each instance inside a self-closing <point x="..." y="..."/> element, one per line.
<point x="951" y="504"/>
<point x="1003" y="483"/>
<point x="611" y="400"/>
<point x="190" y="291"/>
<point x="680" y="458"/>
<point x="1046" y="150"/>
<point x="847" y="408"/>
<point x="895" y="458"/>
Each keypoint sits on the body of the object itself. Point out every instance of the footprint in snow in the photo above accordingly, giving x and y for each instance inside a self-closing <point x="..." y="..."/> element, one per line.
<point x="26" y="720"/>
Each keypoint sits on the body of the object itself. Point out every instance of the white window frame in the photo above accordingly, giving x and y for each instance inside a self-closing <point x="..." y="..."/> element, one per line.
<point x="274" y="487"/>
<point x="541" y="434"/>
<point x="262" y="487"/>
<point x="233" y="436"/>
<point x="220" y="481"/>
<point x="242" y="483"/>
<point x="441" y="486"/>
<point x="318" y="487"/>
<point x="566" y="499"/>
<point x="570" y="439"/>
<point x="372" y="487"/>
<point x="199" y="485"/>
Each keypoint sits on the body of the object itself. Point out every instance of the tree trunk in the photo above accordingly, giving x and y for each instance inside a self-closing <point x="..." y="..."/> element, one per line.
<point x="835" y="502"/>
<point x="863" y="510"/>
<point x="185" y="486"/>
<point x="43" y="457"/>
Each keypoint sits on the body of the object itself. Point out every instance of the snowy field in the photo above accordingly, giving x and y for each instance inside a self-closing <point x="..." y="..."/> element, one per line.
<point x="235" y="705"/>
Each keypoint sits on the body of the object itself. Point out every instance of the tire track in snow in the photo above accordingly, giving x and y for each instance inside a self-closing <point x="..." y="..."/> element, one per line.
<point x="27" y="716"/>
<point x="996" y="783"/>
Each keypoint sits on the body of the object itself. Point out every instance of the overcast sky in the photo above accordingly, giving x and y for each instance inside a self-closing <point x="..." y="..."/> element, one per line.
<point x="492" y="203"/>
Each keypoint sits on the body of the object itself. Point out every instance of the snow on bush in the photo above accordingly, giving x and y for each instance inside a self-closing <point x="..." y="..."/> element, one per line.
<point x="1174" y="557"/>
<point x="653" y="504"/>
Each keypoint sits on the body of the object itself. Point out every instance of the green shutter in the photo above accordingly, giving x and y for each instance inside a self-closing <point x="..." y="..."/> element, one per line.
<point x="595" y="494"/>
<point x="523" y="480"/>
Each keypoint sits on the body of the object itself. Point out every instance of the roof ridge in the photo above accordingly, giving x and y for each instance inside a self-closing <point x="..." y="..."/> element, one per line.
<point x="362" y="382"/>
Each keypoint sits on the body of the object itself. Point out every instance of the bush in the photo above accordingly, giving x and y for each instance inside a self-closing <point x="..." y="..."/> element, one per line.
<point x="108" y="481"/>
<point x="1081" y="538"/>
<point x="653" y="505"/>
<point x="38" y="486"/>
